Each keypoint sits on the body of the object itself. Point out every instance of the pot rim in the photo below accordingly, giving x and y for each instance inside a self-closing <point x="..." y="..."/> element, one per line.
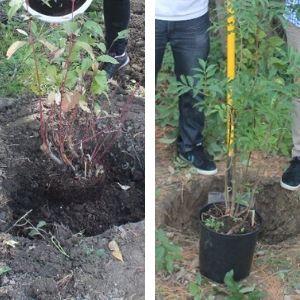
<point x="242" y="235"/>
<point x="57" y="19"/>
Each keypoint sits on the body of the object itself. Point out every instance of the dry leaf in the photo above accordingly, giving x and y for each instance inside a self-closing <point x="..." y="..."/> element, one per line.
<point x="69" y="101"/>
<point x="124" y="187"/>
<point x="14" y="47"/>
<point x="116" y="252"/>
<point x="11" y="243"/>
<point x="22" y="31"/>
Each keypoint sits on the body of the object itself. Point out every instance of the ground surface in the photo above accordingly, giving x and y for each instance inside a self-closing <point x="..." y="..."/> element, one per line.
<point x="180" y="194"/>
<point x="73" y="257"/>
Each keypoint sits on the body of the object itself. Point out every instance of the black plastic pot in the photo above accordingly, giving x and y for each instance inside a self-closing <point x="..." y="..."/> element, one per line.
<point x="56" y="7"/>
<point x="220" y="253"/>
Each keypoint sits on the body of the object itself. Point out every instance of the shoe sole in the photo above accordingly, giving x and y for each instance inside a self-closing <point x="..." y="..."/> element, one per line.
<point x="289" y="187"/>
<point x="124" y="64"/>
<point x="200" y="171"/>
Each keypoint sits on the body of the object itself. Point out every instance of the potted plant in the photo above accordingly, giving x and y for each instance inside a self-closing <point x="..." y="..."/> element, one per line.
<point x="262" y="93"/>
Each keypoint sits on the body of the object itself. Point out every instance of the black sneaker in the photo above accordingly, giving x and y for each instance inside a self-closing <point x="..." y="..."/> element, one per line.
<point x="201" y="160"/>
<point x="290" y="179"/>
<point x="112" y="69"/>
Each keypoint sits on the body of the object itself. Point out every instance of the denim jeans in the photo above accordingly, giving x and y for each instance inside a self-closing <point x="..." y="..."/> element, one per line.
<point x="116" y="17"/>
<point x="293" y="38"/>
<point x="189" y="41"/>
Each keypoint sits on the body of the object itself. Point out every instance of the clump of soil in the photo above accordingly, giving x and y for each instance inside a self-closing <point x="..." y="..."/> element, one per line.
<point x="217" y="219"/>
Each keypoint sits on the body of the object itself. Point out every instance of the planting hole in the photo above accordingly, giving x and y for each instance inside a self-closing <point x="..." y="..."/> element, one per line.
<point x="34" y="182"/>
<point x="280" y="209"/>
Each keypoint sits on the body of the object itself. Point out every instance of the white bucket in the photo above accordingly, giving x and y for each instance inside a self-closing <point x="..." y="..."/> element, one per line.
<point x="57" y="19"/>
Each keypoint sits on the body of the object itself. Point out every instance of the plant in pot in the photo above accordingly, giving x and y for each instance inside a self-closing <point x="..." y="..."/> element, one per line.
<point x="65" y="73"/>
<point x="262" y="93"/>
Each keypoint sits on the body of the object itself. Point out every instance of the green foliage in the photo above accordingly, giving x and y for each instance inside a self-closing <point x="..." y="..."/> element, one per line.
<point x="214" y="224"/>
<point x="195" y="289"/>
<point x="36" y="230"/>
<point x="166" y="253"/>
<point x="4" y="269"/>
<point x="262" y="91"/>
<point x="236" y="291"/>
<point x="12" y="70"/>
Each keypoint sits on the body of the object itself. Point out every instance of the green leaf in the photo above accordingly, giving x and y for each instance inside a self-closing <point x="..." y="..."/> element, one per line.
<point x="97" y="109"/>
<point x="14" y="6"/>
<point x="52" y="73"/>
<point x="33" y="233"/>
<point x="4" y="269"/>
<point x="86" y="47"/>
<point x="107" y="59"/>
<point x="94" y="27"/>
<point x="169" y="263"/>
<point x="41" y="224"/>
<point x="230" y="282"/>
<point x="71" y="79"/>
<point x="86" y="64"/>
<point x="70" y="27"/>
<point x="100" y="252"/>
<point x="99" y="84"/>
<point x="34" y="28"/>
<point x="123" y="34"/>
<point x="101" y="46"/>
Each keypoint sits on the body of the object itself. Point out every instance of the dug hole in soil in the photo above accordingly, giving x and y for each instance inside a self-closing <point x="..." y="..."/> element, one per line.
<point x="83" y="216"/>
<point x="30" y="182"/>
<point x="179" y="207"/>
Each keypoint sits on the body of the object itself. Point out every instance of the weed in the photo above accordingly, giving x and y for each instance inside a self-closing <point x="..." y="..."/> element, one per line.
<point x="4" y="269"/>
<point x="236" y="291"/>
<point x="195" y="289"/>
<point x="214" y="223"/>
<point x="166" y="253"/>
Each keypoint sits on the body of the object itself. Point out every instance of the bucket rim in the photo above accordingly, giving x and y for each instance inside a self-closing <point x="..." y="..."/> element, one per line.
<point x="57" y="19"/>
<point x="228" y="236"/>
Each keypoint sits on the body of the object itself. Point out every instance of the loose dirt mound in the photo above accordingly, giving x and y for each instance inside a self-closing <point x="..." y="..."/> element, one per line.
<point x="30" y="182"/>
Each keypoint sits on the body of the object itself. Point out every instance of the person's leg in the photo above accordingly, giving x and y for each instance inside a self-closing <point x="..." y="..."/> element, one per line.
<point x="161" y="39"/>
<point x="116" y="17"/>
<point x="190" y="42"/>
<point x="291" y="177"/>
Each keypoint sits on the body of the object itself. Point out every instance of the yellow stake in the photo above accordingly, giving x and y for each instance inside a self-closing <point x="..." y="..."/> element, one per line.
<point x="230" y="76"/>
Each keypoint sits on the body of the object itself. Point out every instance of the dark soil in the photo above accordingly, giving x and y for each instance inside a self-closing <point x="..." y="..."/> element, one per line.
<point x="73" y="209"/>
<point x="241" y="223"/>
<point x="83" y="216"/>
<point x="55" y="195"/>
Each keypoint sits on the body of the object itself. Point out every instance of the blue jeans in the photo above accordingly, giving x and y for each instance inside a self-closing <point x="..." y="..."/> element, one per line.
<point x="189" y="41"/>
<point x="116" y="17"/>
